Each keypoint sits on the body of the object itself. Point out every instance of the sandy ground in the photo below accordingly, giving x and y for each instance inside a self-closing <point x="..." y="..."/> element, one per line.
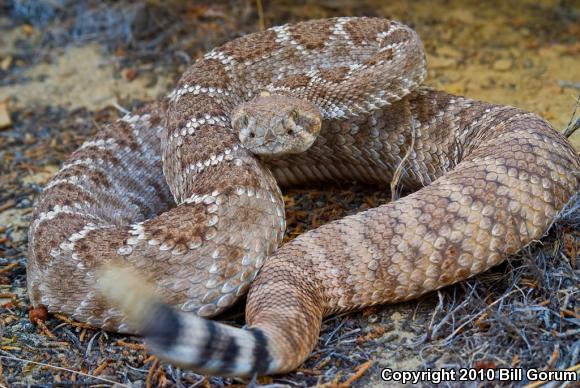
<point x="489" y="52"/>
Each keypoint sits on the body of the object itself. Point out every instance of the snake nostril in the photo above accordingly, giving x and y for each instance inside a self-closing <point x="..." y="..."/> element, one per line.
<point x="252" y="135"/>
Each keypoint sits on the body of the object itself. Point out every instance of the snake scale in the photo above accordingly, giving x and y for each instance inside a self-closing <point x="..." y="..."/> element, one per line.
<point x="172" y="192"/>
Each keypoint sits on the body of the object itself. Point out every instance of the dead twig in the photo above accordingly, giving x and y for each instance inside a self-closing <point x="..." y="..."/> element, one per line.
<point x="573" y="125"/>
<point x="69" y="321"/>
<point x="130" y="345"/>
<point x="10" y="266"/>
<point x="75" y="372"/>
<point x="152" y="372"/>
<point x="45" y="330"/>
<point x="361" y="370"/>
<point x="260" y="7"/>
<point x="101" y="367"/>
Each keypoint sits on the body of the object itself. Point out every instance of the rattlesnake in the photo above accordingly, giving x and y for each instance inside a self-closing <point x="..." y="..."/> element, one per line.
<point x="489" y="180"/>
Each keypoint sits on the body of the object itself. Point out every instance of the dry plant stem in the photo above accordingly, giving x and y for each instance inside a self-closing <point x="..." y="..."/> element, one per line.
<point x="400" y="170"/>
<point x="572" y="128"/>
<point x="573" y="125"/>
<point x="9" y="357"/>
<point x="261" y="22"/>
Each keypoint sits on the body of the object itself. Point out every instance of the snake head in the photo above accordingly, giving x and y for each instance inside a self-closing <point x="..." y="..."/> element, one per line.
<point x="276" y="124"/>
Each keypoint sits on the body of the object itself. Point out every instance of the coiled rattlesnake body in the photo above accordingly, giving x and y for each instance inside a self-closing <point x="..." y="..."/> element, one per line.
<point x="490" y="180"/>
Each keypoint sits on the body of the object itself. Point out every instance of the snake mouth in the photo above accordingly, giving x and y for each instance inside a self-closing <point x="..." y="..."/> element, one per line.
<point x="291" y="142"/>
<point x="271" y="149"/>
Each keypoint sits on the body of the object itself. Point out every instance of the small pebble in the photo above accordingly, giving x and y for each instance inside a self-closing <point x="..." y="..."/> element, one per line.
<point x="5" y="121"/>
<point x="130" y="74"/>
<point x="449" y="52"/>
<point x="36" y="314"/>
<point x="6" y="62"/>
<point x="502" y="65"/>
<point x="441" y="63"/>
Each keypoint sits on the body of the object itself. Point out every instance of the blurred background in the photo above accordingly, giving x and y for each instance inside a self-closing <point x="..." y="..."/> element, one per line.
<point x="68" y="67"/>
<point x="89" y="53"/>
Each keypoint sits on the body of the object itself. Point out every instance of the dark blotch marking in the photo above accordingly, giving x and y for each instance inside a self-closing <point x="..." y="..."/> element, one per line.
<point x="209" y="348"/>
<point x="293" y="81"/>
<point x="365" y="29"/>
<point x="262" y="356"/>
<point x="252" y="46"/>
<point x="230" y="355"/>
<point x="312" y="35"/>
<point x="163" y="328"/>
<point x="335" y="75"/>
<point x="382" y="56"/>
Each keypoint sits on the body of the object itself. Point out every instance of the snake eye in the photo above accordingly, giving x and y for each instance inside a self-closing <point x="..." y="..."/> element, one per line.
<point x="295" y="115"/>
<point x="245" y="120"/>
